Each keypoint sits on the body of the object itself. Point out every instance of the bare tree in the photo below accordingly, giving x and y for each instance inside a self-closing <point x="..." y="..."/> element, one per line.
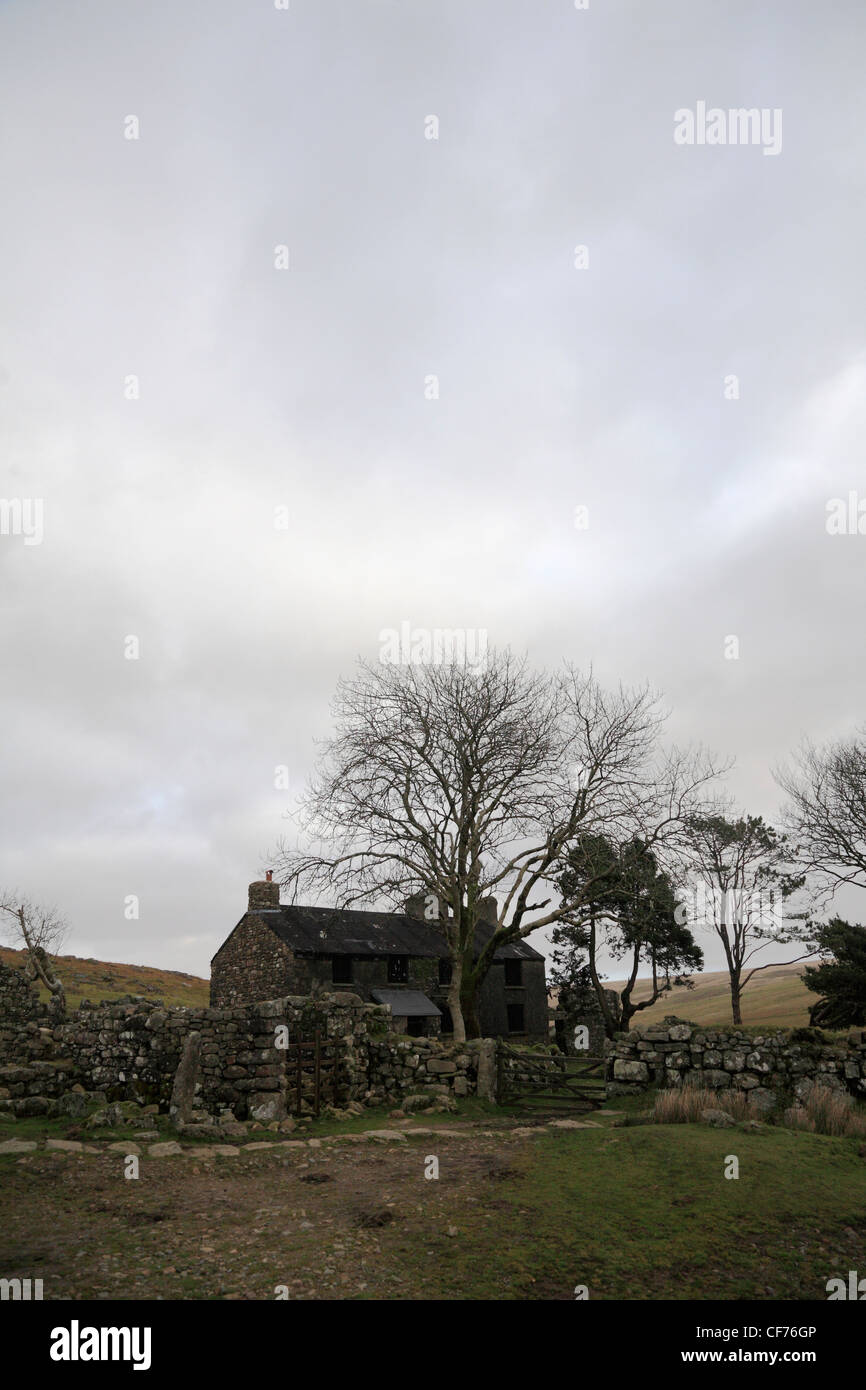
<point x="742" y="880"/>
<point x="40" y="931"/>
<point x="467" y="785"/>
<point x="826" y="811"/>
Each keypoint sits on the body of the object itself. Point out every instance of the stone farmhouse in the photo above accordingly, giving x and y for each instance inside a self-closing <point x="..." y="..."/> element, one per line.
<point x="394" y="958"/>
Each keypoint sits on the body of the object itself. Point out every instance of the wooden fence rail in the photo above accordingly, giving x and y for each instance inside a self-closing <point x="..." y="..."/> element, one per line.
<point x="549" y="1080"/>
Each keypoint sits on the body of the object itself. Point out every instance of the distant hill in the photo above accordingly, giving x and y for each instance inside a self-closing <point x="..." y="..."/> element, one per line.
<point x="775" y="997"/>
<point x="96" y="980"/>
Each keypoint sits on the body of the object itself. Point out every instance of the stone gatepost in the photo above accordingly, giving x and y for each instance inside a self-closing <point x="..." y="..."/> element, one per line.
<point x="583" y="1011"/>
<point x="183" y="1091"/>
<point x="485" y="1086"/>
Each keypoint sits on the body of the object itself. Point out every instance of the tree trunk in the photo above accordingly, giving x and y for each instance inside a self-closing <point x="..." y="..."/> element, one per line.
<point x="57" y="1004"/>
<point x="455" y="1002"/>
<point x="40" y="968"/>
<point x="610" y="1023"/>
<point x="735" y="1000"/>
<point x="627" y="1009"/>
<point x="470" y="989"/>
<point x="470" y="1014"/>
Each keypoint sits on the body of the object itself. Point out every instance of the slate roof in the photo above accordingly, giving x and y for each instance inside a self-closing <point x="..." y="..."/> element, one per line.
<point x="406" y="1003"/>
<point x="328" y="931"/>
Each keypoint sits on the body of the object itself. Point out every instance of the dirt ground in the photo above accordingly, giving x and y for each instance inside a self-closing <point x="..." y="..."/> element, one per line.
<point x="523" y="1208"/>
<point x="354" y="1220"/>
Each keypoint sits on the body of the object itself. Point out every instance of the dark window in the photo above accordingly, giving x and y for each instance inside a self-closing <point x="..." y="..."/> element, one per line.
<point x="341" y="970"/>
<point x="515" y="1018"/>
<point x="398" y="970"/>
<point x="444" y="972"/>
<point x="513" y="972"/>
<point x="447" y="1023"/>
<point x="415" y="1027"/>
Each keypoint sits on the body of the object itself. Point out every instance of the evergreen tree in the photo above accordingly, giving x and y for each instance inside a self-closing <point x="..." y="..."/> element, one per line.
<point x="841" y="981"/>
<point x="628" y="904"/>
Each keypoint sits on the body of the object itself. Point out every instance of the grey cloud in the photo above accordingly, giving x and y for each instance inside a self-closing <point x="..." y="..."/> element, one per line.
<point x="305" y="388"/>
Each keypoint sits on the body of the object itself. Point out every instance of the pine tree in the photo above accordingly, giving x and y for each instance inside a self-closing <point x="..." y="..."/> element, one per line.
<point x="841" y="981"/>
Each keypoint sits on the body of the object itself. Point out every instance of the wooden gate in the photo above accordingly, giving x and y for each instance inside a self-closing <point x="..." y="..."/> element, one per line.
<point x="313" y="1075"/>
<point x="549" y="1081"/>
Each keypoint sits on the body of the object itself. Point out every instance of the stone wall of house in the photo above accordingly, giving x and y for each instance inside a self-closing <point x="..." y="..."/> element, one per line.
<point x="495" y="996"/>
<point x="253" y="963"/>
<point x="371" y="972"/>
<point x="768" y="1066"/>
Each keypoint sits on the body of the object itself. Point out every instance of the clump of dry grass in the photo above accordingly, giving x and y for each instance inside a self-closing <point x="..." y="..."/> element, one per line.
<point x="686" y="1105"/>
<point x="825" y="1111"/>
<point x="821" y="1111"/>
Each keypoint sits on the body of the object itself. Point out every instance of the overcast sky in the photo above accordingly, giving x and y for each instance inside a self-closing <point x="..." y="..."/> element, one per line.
<point x="605" y="384"/>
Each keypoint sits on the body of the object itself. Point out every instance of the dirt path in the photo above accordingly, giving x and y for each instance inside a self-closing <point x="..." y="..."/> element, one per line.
<point x="355" y="1217"/>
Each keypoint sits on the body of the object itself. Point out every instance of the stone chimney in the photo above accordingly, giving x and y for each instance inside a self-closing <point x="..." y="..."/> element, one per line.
<point x="488" y="911"/>
<point x="265" y="893"/>
<point x="416" y="906"/>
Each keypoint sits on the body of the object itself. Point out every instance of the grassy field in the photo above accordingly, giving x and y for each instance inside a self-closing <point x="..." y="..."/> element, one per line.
<point x="774" y="998"/>
<point x="628" y="1210"/>
<point x="97" y="980"/>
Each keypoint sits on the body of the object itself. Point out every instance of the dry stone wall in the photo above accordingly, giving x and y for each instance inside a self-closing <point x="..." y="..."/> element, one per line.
<point x="131" y="1049"/>
<point x="19" y="1005"/>
<point x="188" y="1060"/>
<point x="399" y="1066"/>
<point x="768" y="1066"/>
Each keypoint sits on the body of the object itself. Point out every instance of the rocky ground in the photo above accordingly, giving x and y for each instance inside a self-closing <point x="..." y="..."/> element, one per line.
<point x="351" y="1208"/>
<point x="351" y="1215"/>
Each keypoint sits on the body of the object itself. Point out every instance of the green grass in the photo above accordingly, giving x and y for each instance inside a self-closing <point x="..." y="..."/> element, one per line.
<point x="646" y="1213"/>
<point x="33" y="1127"/>
<point x="632" y="1211"/>
<point x="379" y="1117"/>
<point x="41" y="1127"/>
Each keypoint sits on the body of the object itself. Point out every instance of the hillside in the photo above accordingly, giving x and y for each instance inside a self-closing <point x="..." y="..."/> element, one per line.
<point x="96" y="980"/>
<point x="776" y="997"/>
